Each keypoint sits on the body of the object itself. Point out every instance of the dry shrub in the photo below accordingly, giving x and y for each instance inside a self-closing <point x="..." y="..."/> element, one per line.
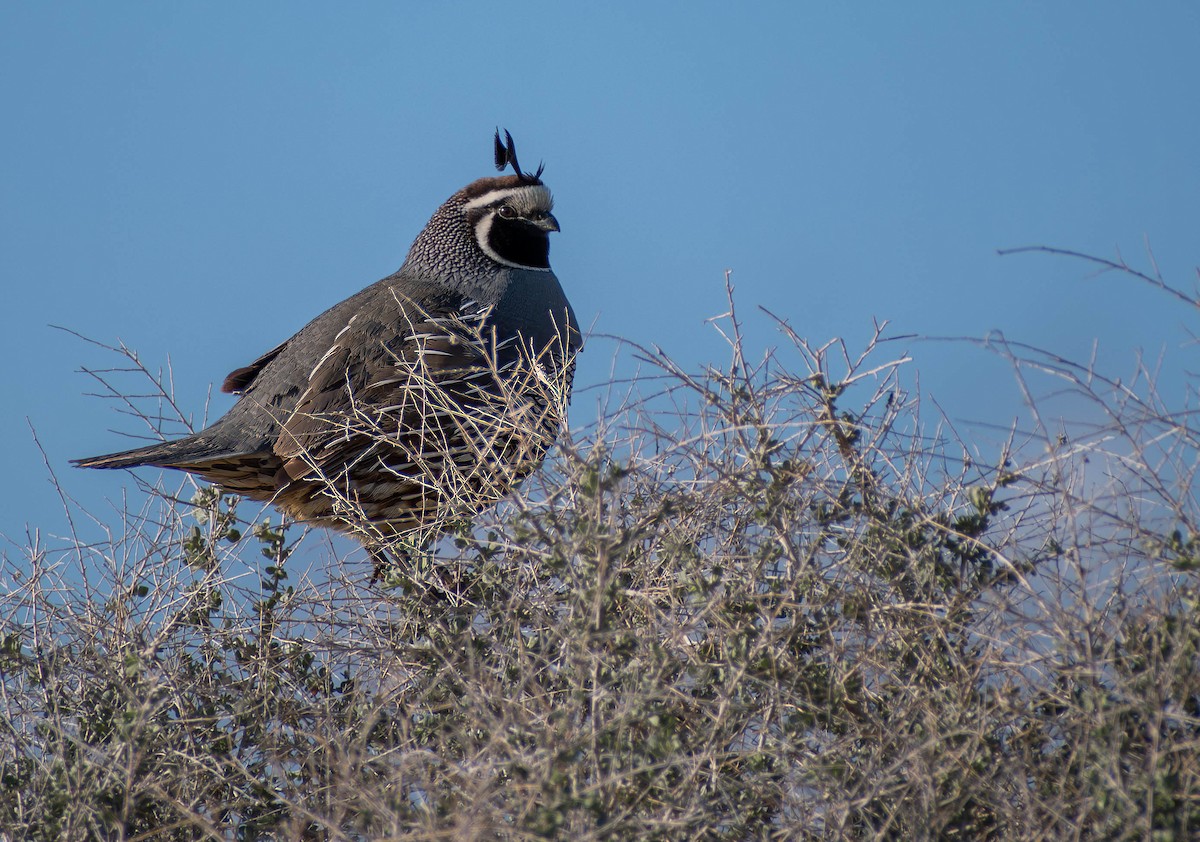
<point x="762" y="601"/>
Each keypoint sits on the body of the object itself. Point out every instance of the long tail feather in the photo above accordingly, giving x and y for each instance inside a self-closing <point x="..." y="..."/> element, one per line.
<point x="158" y="455"/>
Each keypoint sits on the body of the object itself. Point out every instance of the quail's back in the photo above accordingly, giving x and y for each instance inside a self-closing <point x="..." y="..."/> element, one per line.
<point x="428" y="394"/>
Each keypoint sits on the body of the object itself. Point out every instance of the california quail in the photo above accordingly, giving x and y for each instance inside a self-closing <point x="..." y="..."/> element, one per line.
<point x="427" y="395"/>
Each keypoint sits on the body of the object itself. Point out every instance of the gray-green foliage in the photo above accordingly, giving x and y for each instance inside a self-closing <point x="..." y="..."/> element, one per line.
<point x="758" y="603"/>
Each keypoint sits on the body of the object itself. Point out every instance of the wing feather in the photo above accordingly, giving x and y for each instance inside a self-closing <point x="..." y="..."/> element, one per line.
<point x="366" y="387"/>
<point x="240" y="379"/>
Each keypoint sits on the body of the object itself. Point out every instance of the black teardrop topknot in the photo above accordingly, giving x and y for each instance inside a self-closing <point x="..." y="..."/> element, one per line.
<point x="506" y="154"/>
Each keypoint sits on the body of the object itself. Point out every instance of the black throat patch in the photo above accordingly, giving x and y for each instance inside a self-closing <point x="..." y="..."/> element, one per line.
<point x="519" y="242"/>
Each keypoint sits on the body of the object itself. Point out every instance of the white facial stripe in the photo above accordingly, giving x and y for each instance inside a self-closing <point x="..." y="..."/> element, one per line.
<point x="524" y="199"/>
<point x="490" y="197"/>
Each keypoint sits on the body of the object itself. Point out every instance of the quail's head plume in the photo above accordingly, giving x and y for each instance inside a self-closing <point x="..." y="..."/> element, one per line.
<point x="425" y="396"/>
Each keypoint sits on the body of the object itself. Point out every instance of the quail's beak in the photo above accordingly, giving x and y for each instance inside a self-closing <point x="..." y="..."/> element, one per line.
<point x="547" y="223"/>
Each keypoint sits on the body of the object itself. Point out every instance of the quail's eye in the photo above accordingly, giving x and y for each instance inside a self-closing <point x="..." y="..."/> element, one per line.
<point x="506" y="211"/>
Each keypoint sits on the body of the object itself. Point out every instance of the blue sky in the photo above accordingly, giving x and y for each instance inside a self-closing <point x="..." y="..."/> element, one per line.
<point x="199" y="180"/>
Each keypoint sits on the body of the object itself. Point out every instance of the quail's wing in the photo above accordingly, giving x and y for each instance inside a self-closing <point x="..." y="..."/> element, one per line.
<point x="240" y="379"/>
<point x="376" y="382"/>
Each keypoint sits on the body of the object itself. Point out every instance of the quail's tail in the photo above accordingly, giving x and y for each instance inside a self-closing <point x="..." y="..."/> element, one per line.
<point x="158" y="455"/>
<point x="256" y="473"/>
<point x="170" y="454"/>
